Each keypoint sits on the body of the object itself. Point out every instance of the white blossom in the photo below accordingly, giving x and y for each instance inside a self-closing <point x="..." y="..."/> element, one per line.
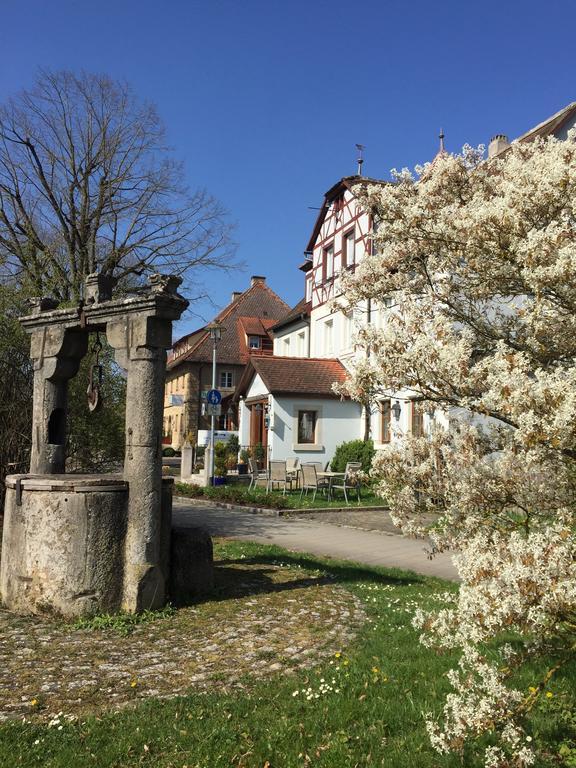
<point x="479" y="259"/>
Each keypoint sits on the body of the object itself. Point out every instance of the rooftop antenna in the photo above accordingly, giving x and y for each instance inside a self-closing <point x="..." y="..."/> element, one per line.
<point x="441" y="137"/>
<point x="360" y="161"/>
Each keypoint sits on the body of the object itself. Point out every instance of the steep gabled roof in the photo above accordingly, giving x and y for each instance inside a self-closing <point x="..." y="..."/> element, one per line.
<point x="346" y="183"/>
<point x="302" y="376"/>
<point x="257" y="308"/>
<point x="299" y="312"/>
<point x="552" y="124"/>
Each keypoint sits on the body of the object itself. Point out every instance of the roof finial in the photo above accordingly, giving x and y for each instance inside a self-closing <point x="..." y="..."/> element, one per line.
<point x="360" y="148"/>
<point x="441" y="137"/>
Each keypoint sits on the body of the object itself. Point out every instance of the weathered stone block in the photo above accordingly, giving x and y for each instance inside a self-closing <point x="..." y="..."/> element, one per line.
<point x="62" y="547"/>
<point x="191" y="564"/>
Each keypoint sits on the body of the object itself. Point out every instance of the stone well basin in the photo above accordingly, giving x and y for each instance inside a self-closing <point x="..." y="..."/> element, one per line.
<point x="63" y="543"/>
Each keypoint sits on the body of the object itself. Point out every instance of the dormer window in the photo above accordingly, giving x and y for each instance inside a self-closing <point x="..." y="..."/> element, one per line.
<point x="254" y="342"/>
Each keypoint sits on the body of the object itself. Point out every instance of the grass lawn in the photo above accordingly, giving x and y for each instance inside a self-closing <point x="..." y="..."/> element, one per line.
<point x="257" y="497"/>
<point x="362" y="706"/>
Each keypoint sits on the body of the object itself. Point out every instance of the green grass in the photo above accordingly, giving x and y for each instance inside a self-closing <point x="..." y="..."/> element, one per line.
<point x="122" y="623"/>
<point x="385" y="681"/>
<point x="238" y="494"/>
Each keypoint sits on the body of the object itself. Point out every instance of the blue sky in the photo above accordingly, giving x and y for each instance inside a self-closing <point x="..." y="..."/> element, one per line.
<point x="264" y="101"/>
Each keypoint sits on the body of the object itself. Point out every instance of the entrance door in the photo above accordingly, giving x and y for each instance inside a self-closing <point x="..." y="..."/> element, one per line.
<point x="258" y="431"/>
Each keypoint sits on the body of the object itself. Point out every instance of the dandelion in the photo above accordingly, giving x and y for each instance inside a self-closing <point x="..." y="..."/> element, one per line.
<point x="133" y="684"/>
<point x="337" y="655"/>
<point x="34" y="703"/>
<point x="549" y="694"/>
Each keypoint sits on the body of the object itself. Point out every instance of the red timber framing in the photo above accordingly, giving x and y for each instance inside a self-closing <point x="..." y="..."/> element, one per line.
<point x="340" y="216"/>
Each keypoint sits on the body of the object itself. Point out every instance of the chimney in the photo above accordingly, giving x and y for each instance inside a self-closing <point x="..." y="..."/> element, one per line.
<point x="256" y="279"/>
<point x="497" y="144"/>
<point x="236" y="295"/>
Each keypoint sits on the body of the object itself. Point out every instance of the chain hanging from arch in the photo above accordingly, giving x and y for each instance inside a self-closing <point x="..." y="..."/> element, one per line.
<point x="95" y="382"/>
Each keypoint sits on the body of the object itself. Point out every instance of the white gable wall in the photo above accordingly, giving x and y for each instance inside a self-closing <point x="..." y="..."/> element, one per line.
<point x="337" y="421"/>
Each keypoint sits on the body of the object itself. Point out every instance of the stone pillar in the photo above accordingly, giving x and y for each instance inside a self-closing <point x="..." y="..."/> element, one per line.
<point x="141" y="344"/>
<point x="56" y="354"/>
<point x="186" y="461"/>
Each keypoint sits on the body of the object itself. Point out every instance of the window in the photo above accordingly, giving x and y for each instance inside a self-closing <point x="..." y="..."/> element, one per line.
<point x="329" y="337"/>
<point x="349" y="249"/>
<point x="328" y="262"/>
<point x="254" y="342"/>
<point x="385" y="412"/>
<point x="308" y="287"/>
<point x="301" y="343"/>
<point x="286" y="349"/>
<point x="347" y="330"/>
<point x="307" y="427"/>
<point x="417" y="420"/>
<point x="226" y="379"/>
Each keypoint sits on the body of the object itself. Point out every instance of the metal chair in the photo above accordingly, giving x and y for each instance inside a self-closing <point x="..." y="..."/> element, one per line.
<point x="292" y="470"/>
<point x="352" y="467"/>
<point x="256" y="474"/>
<point x="309" y="479"/>
<point x="277" y="474"/>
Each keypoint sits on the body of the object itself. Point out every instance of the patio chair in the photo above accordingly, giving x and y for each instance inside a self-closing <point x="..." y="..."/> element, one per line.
<point x="255" y="474"/>
<point x="308" y="480"/>
<point x="292" y="470"/>
<point x="349" y="483"/>
<point x="278" y="475"/>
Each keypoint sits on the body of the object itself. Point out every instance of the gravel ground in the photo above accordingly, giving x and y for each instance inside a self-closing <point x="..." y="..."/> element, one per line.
<point x="263" y="619"/>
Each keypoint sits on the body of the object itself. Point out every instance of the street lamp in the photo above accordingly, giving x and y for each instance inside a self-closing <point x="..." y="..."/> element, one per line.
<point x="215" y="330"/>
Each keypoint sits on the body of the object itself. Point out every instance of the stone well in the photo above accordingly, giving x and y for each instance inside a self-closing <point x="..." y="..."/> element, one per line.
<point x="84" y="544"/>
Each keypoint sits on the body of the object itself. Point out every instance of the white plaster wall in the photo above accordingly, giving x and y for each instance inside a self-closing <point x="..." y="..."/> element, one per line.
<point x="338" y="421"/>
<point x="296" y="347"/>
<point x="244" y="423"/>
<point x="257" y="387"/>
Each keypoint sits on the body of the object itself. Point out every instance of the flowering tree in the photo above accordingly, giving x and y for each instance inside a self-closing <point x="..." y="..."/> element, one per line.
<point x="480" y="261"/>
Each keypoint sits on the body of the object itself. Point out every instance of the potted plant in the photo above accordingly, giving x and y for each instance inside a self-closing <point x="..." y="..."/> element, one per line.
<point x="259" y="455"/>
<point x="243" y="462"/>
<point x="220" y="468"/>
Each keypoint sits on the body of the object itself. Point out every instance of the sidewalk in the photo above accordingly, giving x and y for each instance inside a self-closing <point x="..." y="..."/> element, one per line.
<point x="369" y="547"/>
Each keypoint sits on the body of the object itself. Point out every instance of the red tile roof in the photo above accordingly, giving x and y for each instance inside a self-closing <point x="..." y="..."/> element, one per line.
<point x="299" y="312"/>
<point x="258" y="307"/>
<point x="305" y="376"/>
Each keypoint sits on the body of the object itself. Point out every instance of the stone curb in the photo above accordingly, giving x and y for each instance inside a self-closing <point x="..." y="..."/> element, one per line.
<point x="275" y="512"/>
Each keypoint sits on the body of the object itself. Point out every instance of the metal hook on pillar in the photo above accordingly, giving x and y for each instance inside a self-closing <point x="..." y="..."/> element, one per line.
<point x="95" y="381"/>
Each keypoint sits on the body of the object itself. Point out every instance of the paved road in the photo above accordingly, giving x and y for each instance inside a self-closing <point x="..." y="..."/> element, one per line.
<point x="370" y="547"/>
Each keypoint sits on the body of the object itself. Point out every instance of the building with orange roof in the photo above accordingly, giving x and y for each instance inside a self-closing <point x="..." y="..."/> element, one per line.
<point x="246" y="324"/>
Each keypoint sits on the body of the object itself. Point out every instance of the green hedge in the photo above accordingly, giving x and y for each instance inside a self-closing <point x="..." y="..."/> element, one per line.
<point x="233" y="494"/>
<point x="355" y="450"/>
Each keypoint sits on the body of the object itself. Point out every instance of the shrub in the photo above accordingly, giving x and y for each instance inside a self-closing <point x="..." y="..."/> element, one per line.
<point x="354" y="450"/>
<point x="244" y="456"/>
<point x="168" y="452"/>
<point x="233" y="445"/>
<point x="259" y="452"/>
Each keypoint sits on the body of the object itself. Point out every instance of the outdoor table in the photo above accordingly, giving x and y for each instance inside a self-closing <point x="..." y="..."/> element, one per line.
<point x="330" y="477"/>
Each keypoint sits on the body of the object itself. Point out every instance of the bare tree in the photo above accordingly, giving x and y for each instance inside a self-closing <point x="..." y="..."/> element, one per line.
<point x="87" y="183"/>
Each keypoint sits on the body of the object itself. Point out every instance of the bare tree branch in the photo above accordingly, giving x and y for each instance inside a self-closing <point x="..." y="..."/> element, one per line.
<point x="87" y="183"/>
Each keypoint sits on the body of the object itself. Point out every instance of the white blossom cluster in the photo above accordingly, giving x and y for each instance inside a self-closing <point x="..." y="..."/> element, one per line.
<point x="479" y="259"/>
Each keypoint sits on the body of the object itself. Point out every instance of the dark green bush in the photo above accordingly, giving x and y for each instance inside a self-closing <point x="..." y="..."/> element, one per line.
<point x="354" y="450"/>
<point x="233" y="445"/>
<point x="233" y="494"/>
<point x="168" y="452"/>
